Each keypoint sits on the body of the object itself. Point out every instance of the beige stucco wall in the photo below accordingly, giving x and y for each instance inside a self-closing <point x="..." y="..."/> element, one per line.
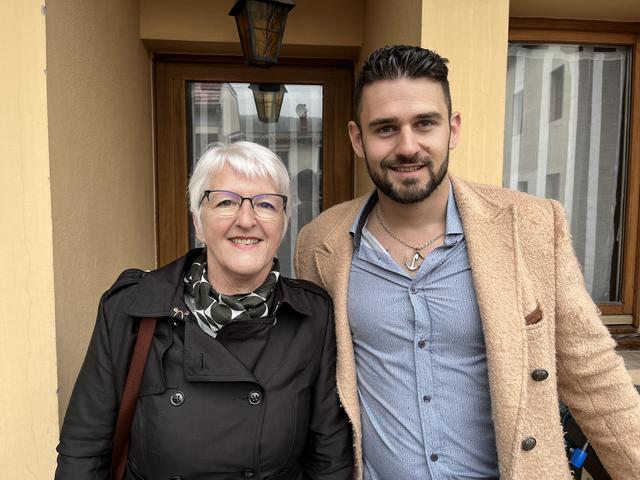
<point x="102" y="179"/>
<point x="29" y="419"/>
<point x="473" y="35"/>
<point x="204" y="26"/>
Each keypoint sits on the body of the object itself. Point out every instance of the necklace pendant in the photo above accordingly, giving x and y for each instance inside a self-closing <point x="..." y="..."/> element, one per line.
<point x="416" y="257"/>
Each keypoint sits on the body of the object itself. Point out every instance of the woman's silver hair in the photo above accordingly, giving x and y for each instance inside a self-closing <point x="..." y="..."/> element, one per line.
<point x="245" y="158"/>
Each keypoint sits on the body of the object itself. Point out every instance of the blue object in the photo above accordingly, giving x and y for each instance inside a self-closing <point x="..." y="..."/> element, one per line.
<point x="579" y="455"/>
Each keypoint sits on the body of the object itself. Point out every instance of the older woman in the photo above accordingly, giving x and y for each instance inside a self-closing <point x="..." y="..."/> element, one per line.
<point x="240" y="380"/>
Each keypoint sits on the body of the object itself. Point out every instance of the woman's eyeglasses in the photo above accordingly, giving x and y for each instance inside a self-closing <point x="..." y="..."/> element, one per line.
<point x="227" y="204"/>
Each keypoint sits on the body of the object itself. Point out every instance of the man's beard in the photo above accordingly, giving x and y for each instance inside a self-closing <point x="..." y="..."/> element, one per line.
<point x="410" y="191"/>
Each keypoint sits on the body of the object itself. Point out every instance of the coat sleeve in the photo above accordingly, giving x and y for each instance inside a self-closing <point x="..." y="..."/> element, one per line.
<point x="592" y="379"/>
<point x="84" y="450"/>
<point x="328" y="453"/>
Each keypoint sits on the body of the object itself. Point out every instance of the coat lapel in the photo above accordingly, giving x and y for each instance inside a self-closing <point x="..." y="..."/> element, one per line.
<point x="505" y="299"/>
<point x="333" y="263"/>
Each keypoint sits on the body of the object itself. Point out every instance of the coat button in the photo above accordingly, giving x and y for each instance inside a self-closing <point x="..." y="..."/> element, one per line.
<point x="539" y="374"/>
<point x="177" y="399"/>
<point x="248" y="473"/>
<point x="529" y="443"/>
<point x="255" y="397"/>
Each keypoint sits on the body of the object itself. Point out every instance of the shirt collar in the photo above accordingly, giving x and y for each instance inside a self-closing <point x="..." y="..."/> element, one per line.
<point x="453" y="221"/>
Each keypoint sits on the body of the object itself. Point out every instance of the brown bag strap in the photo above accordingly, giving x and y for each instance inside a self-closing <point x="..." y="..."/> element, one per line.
<point x="120" y="446"/>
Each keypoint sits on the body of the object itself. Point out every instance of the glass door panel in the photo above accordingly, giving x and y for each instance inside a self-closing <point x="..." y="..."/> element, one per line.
<point x="226" y="112"/>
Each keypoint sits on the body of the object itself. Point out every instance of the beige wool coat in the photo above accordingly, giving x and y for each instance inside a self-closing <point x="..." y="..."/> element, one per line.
<point x="536" y="314"/>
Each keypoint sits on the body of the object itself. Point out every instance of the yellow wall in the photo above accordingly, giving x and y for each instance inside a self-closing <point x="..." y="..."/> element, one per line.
<point x="473" y="35"/>
<point x="102" y="179"/>
<point x="29" y="419"/>
<point x="205" y="26"/>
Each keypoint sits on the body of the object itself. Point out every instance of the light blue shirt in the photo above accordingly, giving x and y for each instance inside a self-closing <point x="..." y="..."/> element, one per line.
<point x="421" y="362"/>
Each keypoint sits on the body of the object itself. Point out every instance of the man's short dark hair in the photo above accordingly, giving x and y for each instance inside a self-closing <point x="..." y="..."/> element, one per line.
<point x="402" y="61"/>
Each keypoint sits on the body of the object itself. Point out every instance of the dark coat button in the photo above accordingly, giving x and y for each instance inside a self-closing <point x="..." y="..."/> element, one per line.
<point x="529" y="443"/>
<point x="255" y="397"/>
<point x="434" y="457"/>
<point x="177" y="399"/>
<point x="539" y="374"/>
<point x="248" y="473"/>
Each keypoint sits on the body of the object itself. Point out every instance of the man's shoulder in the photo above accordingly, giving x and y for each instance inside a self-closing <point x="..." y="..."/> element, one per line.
<point x="339" y="216"/>
<point x="525" y="203"/>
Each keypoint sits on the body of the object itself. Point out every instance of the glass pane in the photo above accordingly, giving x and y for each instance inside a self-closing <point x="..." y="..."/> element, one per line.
<point x="226" y="112"/>
<point x="566" y="138"/>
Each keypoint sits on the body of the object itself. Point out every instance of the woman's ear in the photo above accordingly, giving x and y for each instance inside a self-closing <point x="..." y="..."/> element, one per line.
<point x="198" y="227"/>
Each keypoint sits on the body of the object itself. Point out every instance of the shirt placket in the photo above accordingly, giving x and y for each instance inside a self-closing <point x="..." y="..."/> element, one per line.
<point x="427" y="397"/>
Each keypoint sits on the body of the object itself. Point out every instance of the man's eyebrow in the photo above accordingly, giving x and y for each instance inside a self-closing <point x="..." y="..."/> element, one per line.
<point x="429" y="116"/>
<point x="376" y="122"/>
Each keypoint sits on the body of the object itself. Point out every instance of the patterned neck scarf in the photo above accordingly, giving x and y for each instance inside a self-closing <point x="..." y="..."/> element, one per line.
<point x="214" y="310"/>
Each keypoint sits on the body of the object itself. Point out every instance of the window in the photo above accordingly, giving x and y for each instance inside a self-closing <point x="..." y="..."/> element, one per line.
<point x="570" y="135"/>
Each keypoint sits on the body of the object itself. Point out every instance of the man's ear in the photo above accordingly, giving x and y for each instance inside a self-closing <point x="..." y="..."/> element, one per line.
<point x="455" y="124"/>
<point x="356" y="139"/>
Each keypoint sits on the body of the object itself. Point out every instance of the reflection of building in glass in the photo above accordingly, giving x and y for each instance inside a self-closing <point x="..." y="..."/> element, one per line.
<point x="565" y="138"/>
<point x="225" y="112"/>
<point x="214" y="115"/>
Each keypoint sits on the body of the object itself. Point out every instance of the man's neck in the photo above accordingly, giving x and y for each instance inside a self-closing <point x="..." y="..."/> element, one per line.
<point x="431" y="211"/>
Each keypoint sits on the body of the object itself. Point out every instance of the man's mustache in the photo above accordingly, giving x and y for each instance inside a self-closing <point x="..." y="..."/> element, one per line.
<point x="400" y="161"/>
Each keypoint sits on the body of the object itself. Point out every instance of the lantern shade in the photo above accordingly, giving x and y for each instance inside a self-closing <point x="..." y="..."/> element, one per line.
<point x="268" y="98"/>
<point x="261" y="26"/>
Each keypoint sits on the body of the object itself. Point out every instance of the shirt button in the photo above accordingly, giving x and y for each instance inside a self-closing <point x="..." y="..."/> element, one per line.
<point x="413" y="290"/>
<point x="422" y="343"/>
<point x="426" y="398"/>
<point x="434" y="457"/>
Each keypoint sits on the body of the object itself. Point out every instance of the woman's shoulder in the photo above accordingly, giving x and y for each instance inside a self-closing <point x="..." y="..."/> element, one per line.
<point x="121" y="293"/>
<point x="306" y="286"/>
<point x="306" y="297"/>
<point x="131" y="276"/>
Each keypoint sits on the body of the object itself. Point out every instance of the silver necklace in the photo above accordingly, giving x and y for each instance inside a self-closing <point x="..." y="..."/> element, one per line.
<point x="417" y="255"/>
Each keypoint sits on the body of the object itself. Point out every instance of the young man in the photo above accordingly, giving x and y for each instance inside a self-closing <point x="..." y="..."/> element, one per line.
<point x="461" y="313"/>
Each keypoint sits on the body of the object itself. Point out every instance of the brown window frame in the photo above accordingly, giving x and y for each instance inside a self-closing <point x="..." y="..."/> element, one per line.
<point x="171" y="72"/>
<point x="536" y="30"/>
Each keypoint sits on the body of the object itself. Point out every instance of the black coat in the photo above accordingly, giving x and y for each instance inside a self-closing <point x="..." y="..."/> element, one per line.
<point x="257" y="402"/>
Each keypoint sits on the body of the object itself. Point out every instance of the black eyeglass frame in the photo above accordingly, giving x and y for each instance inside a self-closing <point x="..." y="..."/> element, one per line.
<point x="284" y="198"/>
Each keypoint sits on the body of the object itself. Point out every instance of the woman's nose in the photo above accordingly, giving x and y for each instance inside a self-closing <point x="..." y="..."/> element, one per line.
<point x="246" y="216"/>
